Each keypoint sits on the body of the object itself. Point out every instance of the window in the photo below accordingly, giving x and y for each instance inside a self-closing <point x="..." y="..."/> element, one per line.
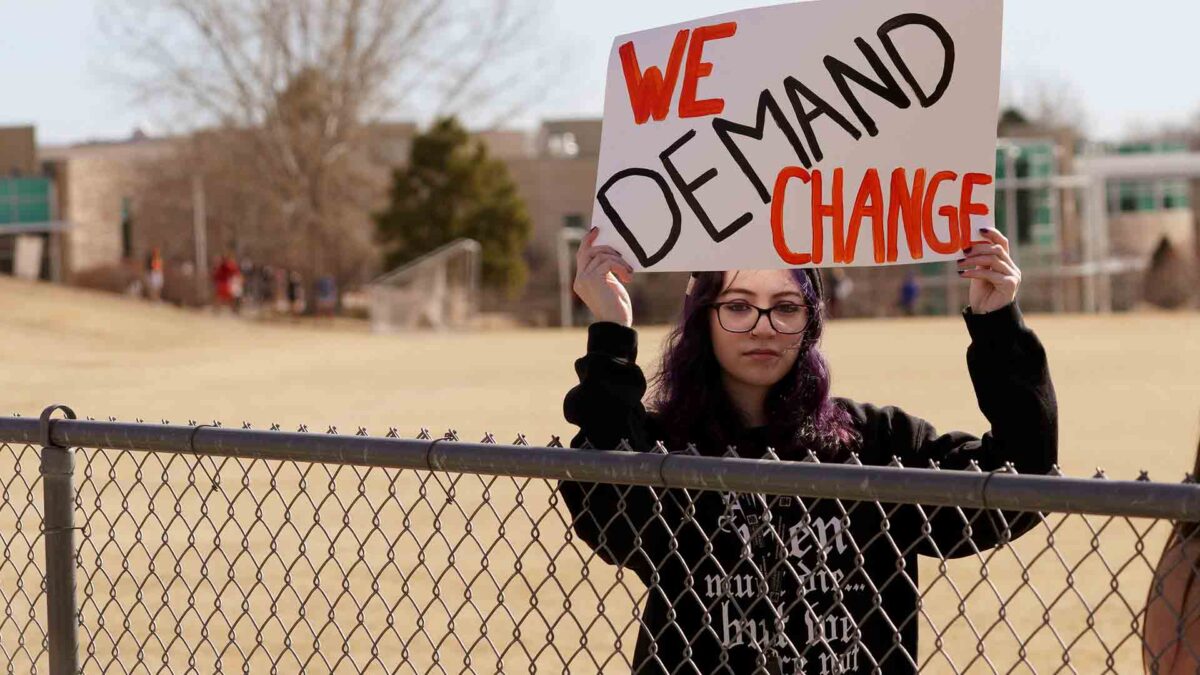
<point x="1033" y="217"/>
<point x="1146" y="198"/>
<point x="563" y="145"/>
<point x="1129" y="202"/>
<point x="1176" y="195"/>
<point x="573" y="221"/>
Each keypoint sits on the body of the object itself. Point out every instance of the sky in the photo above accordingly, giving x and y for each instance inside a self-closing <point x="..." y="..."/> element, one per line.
<point x="1130" y="64"/>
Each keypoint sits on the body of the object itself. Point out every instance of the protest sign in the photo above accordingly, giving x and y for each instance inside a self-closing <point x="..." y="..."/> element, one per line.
<point x="822" y="133"/>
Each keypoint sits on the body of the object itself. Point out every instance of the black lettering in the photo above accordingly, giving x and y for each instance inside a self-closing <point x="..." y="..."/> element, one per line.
<point x="725" y="130"/>
<point x="623" y="229"/>
<point x="886" y="87"/>
<point x="885" y="37"/>
<point x="688" y="190"/>
<point x="795" y="88"/>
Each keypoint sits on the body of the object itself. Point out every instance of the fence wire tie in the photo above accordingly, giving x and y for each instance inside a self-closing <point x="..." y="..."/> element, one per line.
<point x="992" y="514"/>
<point x="984" y="488"/>
<point x="662" y="477"/>
<point x="429" y="453"/>
<point x="192" y="436"/>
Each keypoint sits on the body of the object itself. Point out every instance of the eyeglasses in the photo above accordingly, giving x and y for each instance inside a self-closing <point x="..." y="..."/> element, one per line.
<point x="739" y="316"/>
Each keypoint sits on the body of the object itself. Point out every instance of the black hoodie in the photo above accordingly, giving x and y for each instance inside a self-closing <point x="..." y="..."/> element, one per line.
<point x="744" y="583"/>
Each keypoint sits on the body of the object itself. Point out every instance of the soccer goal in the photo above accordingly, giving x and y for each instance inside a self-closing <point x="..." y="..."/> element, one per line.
<point x="438" y="290"/>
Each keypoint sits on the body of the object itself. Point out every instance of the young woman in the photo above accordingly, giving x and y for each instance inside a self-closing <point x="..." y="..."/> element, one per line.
<point x="1171" y="643"/>
<point x="743" y="583"/>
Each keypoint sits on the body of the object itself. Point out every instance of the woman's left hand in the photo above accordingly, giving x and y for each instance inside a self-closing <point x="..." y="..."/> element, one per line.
<point x="993" y="274"/>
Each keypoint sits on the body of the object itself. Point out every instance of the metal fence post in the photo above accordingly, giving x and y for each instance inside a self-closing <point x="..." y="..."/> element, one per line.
<point x="58" y="491"/>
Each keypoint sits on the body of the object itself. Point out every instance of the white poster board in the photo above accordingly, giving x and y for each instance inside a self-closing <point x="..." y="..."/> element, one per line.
<point x="823" y="133"/>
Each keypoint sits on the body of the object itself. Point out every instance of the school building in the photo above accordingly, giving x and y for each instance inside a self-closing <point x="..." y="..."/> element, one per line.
<point x="31" y="231"/>
<point x="69" y="213"/>
<point x="1043" y="204"/>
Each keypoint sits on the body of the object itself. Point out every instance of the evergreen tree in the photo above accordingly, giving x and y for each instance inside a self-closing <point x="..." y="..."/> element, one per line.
<point x="451" y="188"/>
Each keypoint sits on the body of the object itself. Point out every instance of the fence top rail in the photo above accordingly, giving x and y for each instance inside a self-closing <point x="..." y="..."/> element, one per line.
<point x="887" y="484"/>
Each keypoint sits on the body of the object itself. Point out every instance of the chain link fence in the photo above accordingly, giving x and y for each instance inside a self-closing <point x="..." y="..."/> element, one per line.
<point x="22" y="561"/>
<point x="198" y="549"/>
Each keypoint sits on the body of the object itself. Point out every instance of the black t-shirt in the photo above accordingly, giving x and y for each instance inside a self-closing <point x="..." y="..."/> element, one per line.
<point x="742" y="583"/>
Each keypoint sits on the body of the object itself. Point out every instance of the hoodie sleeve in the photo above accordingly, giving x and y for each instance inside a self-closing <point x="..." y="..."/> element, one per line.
<point x="1012" y="385"/>
<point x="623" y="524"/>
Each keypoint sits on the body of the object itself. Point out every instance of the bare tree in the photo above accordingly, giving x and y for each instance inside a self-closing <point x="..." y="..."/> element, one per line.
<point x="1047" y="102"/>
<point x="293" y="88"/>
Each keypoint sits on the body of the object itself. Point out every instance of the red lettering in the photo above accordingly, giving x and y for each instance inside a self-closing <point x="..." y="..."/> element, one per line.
<point x="906" y="203"/>
<point x="697" y="68"/>
<point x="968" y="208"/>
<point x="786" y="254"/>
<point x="868" y="204"/>
<point x="950" y="212"/>
<point x="913" y="202"/>
<point x="650" y="93"/>
<point x="835" y="209"/>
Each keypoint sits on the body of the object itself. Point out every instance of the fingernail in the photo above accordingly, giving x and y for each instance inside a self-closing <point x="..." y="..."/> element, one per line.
<point x="967" y="249"/>
<point x="960" y="272"/>
<point x="986" y="229"/>
<point x="961" y="260"/>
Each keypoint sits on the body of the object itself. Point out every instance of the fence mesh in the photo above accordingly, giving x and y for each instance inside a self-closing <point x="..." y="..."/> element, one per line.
<point x="22" y="562"/>
<point x="201" y="564"/>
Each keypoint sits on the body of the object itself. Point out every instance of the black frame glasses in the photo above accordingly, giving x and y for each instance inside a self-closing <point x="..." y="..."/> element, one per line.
<point x="768" y="311"/>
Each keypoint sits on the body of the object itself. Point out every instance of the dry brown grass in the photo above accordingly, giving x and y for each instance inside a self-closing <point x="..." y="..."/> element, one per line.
<point x="1128" y="388"/>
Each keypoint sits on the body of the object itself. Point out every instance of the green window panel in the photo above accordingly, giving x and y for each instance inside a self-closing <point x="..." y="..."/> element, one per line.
<point x="1000" y="214"/>
<point x="33" y="187"/>
<point x="1033" y="221"/>
<point x="1176" y="195"/>
<point x="1129" y="197"/>
<point x="25" y="200"/>
<point x="1032" y="160"/>
<point x="1145" y="198"/>
<point x="33" y="213"/>
<point x="1041" y="161"/>
<point x="1177" y="199"/>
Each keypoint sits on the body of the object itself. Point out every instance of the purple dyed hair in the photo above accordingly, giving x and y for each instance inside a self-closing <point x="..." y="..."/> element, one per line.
<point x="693" y="406"/>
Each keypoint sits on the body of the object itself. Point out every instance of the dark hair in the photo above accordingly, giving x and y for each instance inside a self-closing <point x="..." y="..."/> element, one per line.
<point x="693" y="406"/>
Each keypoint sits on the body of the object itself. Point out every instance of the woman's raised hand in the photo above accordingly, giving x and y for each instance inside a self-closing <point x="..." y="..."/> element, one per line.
<point x="600" y="277"/>
<point x="993" y="274"/>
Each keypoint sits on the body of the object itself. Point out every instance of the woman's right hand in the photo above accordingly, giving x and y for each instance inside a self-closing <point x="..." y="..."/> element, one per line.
<point x="600" y="277"/>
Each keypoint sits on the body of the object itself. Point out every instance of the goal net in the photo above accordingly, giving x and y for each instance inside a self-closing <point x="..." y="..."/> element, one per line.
<point x="439" y="290"/>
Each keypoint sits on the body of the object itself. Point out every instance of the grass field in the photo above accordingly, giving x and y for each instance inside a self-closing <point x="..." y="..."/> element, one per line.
<point x="1128" y="389"/>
